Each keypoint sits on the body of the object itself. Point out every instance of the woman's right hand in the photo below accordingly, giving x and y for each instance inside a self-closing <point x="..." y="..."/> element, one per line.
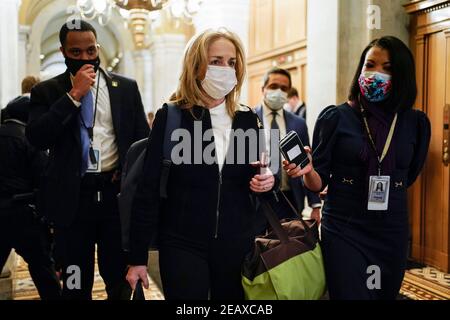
<point x="295" y="171"/>
<point x="136" y="273"/>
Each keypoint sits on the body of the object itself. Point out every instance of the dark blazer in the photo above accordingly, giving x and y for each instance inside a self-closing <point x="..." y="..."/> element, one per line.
<point x="53" y="125"/>
<point x="21" y="165"/>
<point x="297" y="124"/>
<point x="301" y="111"/>
<point x="202" y="203"/>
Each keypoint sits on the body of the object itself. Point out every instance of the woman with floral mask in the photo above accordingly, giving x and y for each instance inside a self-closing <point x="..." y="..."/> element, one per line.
<point x="207" y="224"/>
<point x="369" y="151"/>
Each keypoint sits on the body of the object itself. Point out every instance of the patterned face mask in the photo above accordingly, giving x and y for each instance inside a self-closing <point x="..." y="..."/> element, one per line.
<point x="375" y="86"/>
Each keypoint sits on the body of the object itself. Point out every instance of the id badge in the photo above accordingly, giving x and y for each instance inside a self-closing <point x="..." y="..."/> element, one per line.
<point x="378" y="193"/>
<point x="94" y="159"/>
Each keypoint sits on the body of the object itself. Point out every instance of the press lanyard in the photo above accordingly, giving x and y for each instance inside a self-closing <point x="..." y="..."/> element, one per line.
<point x="91" y="130"/>
<point x="381" y="157"/>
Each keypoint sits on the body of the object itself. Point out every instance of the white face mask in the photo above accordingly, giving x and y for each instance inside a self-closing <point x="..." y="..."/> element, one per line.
<point x="275" y="99"/>
<point x="219" y="81"/>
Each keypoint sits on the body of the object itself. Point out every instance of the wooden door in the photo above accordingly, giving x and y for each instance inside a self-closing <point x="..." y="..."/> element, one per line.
<point x="436" y="183"/>
<point x="277" y="36"/>
<point x="429" y="198"/>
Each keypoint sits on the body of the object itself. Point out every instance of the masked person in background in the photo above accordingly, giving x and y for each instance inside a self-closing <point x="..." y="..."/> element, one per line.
<point x="206" y="225"/>
<point x="277" y="83"/>
<point x="87" y="118"/>
<point x="369" y="151"/>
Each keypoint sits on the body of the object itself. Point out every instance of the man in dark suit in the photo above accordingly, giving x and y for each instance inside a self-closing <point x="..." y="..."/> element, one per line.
<point x="277" y="82"/>
<point x="87" y="118"/>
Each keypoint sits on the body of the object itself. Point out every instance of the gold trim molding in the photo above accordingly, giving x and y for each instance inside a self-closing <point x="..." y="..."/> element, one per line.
<point x="426" y="6"/>
<point x="277" y="52"/>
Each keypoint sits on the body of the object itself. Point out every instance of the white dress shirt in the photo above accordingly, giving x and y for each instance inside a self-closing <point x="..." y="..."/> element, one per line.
<point x="104" y="134"/>
<point x="267" y="121"/>
<point x="221" y="124"/>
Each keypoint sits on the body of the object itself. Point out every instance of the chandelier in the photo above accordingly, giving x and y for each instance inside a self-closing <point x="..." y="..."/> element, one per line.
<point x="139" y="14"/>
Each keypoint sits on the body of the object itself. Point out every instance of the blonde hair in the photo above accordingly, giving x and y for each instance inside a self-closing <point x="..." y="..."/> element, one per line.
<point x="28" y="83"/>
<point x="195" y="63"/>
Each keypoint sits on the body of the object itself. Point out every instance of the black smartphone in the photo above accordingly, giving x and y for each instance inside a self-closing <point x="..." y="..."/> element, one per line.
<point x="293" y="150"/>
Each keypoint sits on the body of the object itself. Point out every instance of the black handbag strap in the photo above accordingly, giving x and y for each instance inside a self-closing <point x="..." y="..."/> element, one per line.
<point x="299" y="216"/>
<point x="275" y="223"/>
<point x="272" y="218"/>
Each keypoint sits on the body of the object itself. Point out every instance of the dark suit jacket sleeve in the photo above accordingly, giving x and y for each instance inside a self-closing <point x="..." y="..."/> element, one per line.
<point x="313" y="198"/>
<point x="325" y="135"/>
<point x="421" y="146"/>
<point x="142" y="129"/>
<point x="146" y="204"/>
<point x="47" y="122"/>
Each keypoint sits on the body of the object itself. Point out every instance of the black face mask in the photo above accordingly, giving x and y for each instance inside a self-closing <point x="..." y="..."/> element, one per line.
<point x="73" y="65"/>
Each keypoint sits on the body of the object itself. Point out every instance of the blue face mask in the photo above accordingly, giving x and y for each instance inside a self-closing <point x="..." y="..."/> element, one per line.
<point x="375" y="86"/>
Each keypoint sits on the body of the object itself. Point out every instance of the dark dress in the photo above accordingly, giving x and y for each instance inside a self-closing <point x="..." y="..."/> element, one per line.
<point x="355" y="241"/>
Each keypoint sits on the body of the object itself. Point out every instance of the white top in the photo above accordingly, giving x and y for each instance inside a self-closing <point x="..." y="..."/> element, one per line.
<point x="221" y="124"/>
<point x="104" y="134"/>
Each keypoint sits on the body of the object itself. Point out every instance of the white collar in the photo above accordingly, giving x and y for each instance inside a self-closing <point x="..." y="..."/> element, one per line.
<point x="221" y="109"/>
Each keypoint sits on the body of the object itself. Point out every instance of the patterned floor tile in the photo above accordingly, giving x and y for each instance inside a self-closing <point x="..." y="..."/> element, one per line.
<point x="24" y="288"/>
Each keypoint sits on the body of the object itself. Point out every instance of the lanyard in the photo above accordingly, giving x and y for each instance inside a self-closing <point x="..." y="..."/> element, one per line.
<point x="91" y="130"/>
<point x="381" y="157"/>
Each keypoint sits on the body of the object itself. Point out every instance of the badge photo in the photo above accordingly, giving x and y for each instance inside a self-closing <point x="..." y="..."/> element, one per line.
<point x="378" y="193"/>
<point x="96" y="165"/>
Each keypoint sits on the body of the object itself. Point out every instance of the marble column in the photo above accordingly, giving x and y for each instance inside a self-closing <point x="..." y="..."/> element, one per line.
<point x="167" y="52"/>
<point x="9" y="40"/>
<point x="24" y="32"/>
<point x="127" y="64"/>
<point x="9" y="89"/>
<point x="322" y="26"/>
<point x="143" y="76"/>
<point x="355" y="33"/>
<point x="231" y="14"/>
